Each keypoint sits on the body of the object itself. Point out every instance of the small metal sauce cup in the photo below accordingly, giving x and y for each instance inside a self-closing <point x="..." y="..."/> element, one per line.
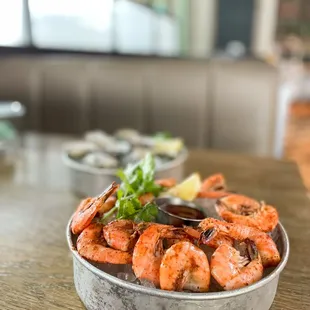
<point x="165" y="217"/>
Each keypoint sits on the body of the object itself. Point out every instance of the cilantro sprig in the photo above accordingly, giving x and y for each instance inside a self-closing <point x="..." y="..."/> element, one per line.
<point x="137" y="179"/>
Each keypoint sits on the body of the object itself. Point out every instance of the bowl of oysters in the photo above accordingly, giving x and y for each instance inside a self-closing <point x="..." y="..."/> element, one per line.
<point x="94" y="161"/>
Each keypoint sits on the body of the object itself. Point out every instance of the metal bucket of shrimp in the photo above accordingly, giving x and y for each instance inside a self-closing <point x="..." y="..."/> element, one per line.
<point x="88" y="181"/>
<point x="107" y="286"/>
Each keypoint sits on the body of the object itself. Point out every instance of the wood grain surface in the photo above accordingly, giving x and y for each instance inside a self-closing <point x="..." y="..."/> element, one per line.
<point x="35" y="205"/>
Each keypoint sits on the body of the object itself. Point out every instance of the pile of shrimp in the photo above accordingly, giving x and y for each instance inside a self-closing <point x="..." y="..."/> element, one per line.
<point x="174" y="258"/>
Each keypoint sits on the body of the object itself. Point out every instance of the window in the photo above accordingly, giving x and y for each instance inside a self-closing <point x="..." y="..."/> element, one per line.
<point x="138" y="27"/>
<point x="141" y="30"/>
<point x="72" y="24"/>
<point x="13" y="29"/>
<point x="235" y="22"/>
<point x="134" y="28"/>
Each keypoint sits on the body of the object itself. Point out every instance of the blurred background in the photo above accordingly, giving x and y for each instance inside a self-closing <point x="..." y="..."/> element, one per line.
<point x="222" y="74"/>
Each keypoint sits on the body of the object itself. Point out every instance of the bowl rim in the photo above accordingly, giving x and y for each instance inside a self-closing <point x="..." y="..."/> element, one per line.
<point x="180" y="159"/>
<point x="180" y="295"/>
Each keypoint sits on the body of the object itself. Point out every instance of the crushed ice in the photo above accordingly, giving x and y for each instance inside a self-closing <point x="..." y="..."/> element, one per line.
<point x="147" y="283"/>
<point x="127" y="276"/>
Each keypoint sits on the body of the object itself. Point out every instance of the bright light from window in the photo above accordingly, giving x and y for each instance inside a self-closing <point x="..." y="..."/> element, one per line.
<point x="12" y="30"/>
<point x="94" y="13"/>
<point x="72" y="24"/>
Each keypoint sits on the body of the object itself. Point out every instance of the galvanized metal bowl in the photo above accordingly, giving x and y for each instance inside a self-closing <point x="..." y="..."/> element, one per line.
<point x="89" y="181"/>
<point x="98" y="289"/>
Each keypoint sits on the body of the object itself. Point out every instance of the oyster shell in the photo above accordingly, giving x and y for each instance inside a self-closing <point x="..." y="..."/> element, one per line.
<point x="99" y="138"/>
<point x="100" y="160"/>
<point x="135" y="155"/>
<point x="130" y="135"/>
<point x="118" y="147"/>
<point x="78" y="149"/>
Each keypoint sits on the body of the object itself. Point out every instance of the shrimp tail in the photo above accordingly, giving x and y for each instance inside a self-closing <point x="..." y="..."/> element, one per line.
<point x="88" y="209"/>
<point x="252" y="250"/>
<point x="207" y="235"/>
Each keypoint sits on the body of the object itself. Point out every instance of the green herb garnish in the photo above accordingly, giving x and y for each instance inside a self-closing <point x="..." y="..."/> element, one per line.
<point x="137" y="179"/>
<point x="147" y="214"/>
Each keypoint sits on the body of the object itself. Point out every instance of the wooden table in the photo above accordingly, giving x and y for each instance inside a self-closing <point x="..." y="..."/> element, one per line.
<point x="35" y="264"/>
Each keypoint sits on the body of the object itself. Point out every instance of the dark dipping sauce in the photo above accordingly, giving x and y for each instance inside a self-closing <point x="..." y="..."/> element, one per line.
<point x="184" y="211"/>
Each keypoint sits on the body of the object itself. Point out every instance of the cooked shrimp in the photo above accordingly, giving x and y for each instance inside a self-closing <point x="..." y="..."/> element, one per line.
<point x="170" y="182"/>
<point x="212" y="194"/>
<point x="149" y="250"/>
<point x="233" y="271"/>
<point x="121" y="235"/>
<point x="195" y="233"/>
<point x="240" y="204"/>
<point x="146" y="198"/>
<point x="266" y="247"/>
<point x="142" y="226"/>
<point x="243" y="210"/>
<point x="88" y="208"/>
<point x="213" y="187"/>
<point x="91" y="245"/>
<point x="205" y="237"/>
<point x="212" y="238"/>
<point x="185" y="267"/>
<point x="215" y="182"/>
<point x="108" y="205"/>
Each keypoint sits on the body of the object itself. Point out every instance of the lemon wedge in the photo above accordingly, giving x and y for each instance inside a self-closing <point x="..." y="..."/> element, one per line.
<point x="188" y="189"/>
